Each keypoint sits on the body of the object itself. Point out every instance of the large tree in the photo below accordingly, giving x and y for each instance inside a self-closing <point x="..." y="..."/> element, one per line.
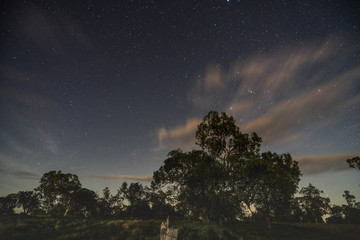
<point x="198" y="179"/>
<point x="57" y="190"/>
<point x="215" y="182"/>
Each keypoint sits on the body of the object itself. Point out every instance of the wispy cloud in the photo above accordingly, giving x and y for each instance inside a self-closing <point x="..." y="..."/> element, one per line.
<point x="180" y="136"/>
<point x="323" y="163"/>
<point x="147" y="178"/>
<point x="279" y="94"/>
<point x="21" y="174"/>
<point x="47" y="141"/>
<point x="284" y="96"/>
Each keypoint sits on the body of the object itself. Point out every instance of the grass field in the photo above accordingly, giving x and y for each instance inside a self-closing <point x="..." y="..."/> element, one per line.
<point x="68" y="228"/>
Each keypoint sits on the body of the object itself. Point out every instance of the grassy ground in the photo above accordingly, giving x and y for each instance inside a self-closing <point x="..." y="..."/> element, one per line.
<point x="68" y="228"/>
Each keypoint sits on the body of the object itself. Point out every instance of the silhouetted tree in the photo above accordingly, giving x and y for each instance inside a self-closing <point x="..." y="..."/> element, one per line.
<point x="228" y="172"/>
<point x="275" y="180"/>
<point x="161" y="203"/>
<point x="354" y="163"/>
<point x="313" y="205"/>
<point x="84" y="203"/>
<point x="7" y="204"/>
<point x="352" y="209"/>
<point x="337" y="215"/>
<point x="28" y="200"/>
<point x="106" y="203"/>
<point x="57" y="189"/>
<point x="137" y="197"/>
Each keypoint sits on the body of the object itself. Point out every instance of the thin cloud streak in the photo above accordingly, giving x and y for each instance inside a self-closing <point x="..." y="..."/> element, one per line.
<point x="323" y="163"/>
<point x="22" y="174"/>
<point x="147" y="178"/>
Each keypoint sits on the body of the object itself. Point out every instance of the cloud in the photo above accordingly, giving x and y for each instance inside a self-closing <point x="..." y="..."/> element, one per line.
<point x="318" y="107"/>
<point x="323" y="163"/>
<point x="21" y="173"/>
<point x="279" y="95"/>
<point x="47" y="141"/>
<point x="286" y="97"/>
<point x="25" y="174"/>
<point x="179" y="137"/>
<point x="147" y="178"/>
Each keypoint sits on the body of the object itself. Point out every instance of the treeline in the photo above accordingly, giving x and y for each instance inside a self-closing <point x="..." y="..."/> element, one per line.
<point x="227" y="179"/>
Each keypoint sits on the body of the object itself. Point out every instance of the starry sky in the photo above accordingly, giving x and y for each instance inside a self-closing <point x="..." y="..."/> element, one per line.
<point x="105" y="89"/>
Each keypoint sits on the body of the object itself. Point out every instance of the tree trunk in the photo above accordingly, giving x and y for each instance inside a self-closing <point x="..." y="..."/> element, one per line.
<point x="220" y="222"/>
<point x="66" y="211"/>
<point x="268" y="222"/>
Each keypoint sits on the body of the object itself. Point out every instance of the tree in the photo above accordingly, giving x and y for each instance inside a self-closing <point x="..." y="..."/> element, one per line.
<point x="274" y="181"/>
<point x="106" y="203"/>
<point x="28" y="200"/>
<point x="7" y="204"/>
<point x="352" y="209"/>
<point x="84" y="203"/>
<point x="137" y="196"/>
<point x="313" y="205"/>
<point x="161" y="202"/>
<point x="216" y="181"/>
<point x="57" y="189"/>
<point x="337" y="215"/>
<point x="219" y="136"/>
<point x="354" y="163"/>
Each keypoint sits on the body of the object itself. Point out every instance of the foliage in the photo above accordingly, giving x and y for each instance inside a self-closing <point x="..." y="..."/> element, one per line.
<point x="274" y="181"/>
<point x="7" y="204"/>
<point x="84" y="203"/>
<point x="137" y="197"/>
<point x="57" y="189"/>
<point x="28" y="200"/>
<point x="313" y="205"/>
<point x="352" y="209"/>
<point x="214" y="183"/>
<point x="337" y="215"/>
<point x="354" y="163"/>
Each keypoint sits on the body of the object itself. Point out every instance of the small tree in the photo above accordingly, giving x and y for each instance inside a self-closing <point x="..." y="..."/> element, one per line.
<point x="314" y="206"/>
<point x="106" y="204"/>
<point x="28" y="200"/>
<point x="337" y="215"/>
<point x="7" y="204"/>
<point x="352" y="209"/>
<point x="354" y="163"/>
<point x="84" y="203"/>
<point x="137" y="197"/>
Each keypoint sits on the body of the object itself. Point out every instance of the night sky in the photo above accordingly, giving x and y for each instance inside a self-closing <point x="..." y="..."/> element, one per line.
<point x="105" y="89"/>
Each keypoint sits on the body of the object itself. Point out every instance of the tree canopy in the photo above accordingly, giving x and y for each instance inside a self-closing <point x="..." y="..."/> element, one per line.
<point x="228" y="173"/>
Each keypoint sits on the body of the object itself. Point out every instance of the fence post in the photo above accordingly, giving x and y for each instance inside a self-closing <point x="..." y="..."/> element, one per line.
<point x="166" y="232"/>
